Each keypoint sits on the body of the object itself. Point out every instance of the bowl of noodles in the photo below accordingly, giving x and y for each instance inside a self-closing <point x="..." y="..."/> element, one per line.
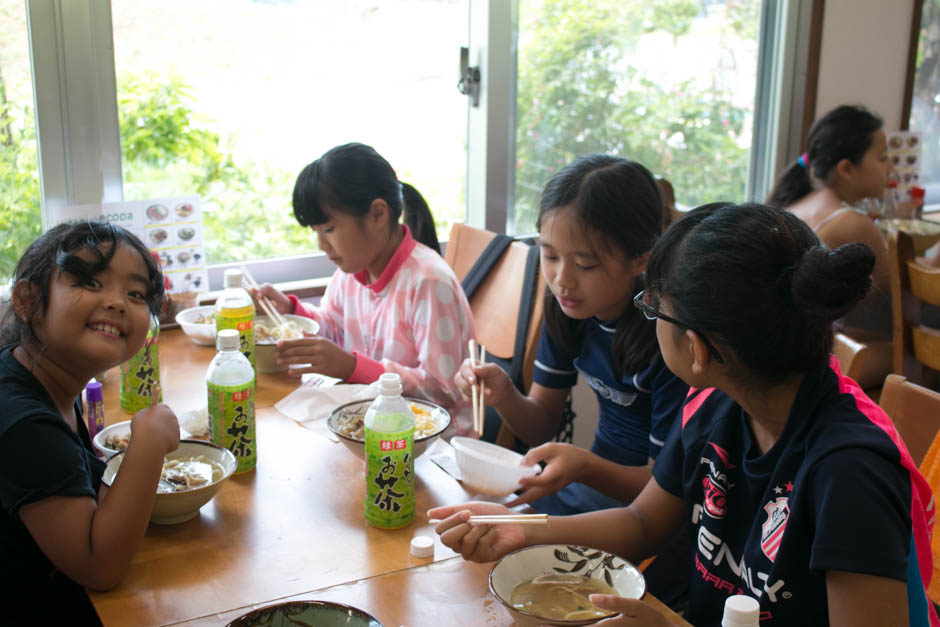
<point x="198" y="323"/>
<point x="267" y="334"/>
<point x="191" y="476"/>
<point x="346" y="422"/>
<point x="550" y="584"/>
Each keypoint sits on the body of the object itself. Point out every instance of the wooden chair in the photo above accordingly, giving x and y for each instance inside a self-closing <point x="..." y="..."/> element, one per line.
<point x="916" y="346"/>
<point x="867" y="363"/>
<point x="915" y="411"/>
<point x="495" y="304"/>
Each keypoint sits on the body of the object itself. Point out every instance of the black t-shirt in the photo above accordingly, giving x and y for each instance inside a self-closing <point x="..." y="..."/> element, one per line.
<point x="837" y="491"/>
<point x="40" y="456"/>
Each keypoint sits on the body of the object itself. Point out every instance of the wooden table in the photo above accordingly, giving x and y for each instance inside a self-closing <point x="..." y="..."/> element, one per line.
<point x="292" y="528"/>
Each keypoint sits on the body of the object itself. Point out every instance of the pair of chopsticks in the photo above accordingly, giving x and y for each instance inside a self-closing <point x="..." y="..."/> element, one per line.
<point x="495" y="519"/>
<point x="266" y="304"/>
<point x="476" y="390"/>
<point x="154" y="394"/>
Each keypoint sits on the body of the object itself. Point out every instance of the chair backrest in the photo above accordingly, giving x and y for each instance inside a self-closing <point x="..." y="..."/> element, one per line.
<point x="495" y="304"/>
<point x="916" y="346"/>
<point x="866" y="362"/>
<point x="915" y="411"/>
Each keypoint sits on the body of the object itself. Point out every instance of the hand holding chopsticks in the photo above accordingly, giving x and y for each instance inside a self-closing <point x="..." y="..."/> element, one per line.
<point x="495" y="519"/>
<point x="477" y="389"/>
<point x="263" y="301"/>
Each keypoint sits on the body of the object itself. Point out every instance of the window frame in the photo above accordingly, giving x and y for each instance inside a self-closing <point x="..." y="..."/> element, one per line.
<point x="79" y="144"/>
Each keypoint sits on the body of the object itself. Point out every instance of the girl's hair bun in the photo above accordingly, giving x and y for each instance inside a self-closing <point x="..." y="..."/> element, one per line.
<point x="826" y="284"/>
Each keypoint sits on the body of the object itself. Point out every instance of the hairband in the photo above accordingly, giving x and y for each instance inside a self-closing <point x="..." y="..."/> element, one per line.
<point x="803" y="160"/>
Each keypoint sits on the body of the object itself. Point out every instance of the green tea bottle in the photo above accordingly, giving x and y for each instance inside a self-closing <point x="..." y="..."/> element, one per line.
<point x="390" y="464"/>
<point x="235" y="310"/>
<point x="231" y="387"/>
<point x="141" y="373"/>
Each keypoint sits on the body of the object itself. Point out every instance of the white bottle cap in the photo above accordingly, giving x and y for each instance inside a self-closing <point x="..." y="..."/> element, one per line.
<point x="228" y="340"/>
<point x="422" y="546"/>
<point x="389" y="384"/>
<point x="233" y="277"/>
<point x="741" y="611"/>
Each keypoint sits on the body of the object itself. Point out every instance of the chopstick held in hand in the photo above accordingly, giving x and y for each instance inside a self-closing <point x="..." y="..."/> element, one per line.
<point x="494" y="519"/>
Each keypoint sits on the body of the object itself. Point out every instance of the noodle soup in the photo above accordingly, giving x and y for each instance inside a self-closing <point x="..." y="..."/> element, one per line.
<point x="188" y="473"/>
<point x="565" y="597"/>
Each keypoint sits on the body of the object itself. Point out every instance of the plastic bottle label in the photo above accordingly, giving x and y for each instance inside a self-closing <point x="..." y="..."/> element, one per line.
<point x="242" y="319"/>
<point x="232" y="422"/>
<point x="138" y="376"/>
<point x="390" y="469"/>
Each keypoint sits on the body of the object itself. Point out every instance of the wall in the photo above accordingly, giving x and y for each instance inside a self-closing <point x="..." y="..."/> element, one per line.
<point x="864" y="56"/>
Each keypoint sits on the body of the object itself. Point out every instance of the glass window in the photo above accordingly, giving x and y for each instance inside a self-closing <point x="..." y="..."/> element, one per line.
<point x="668" y="83"/>
<point x="20" y="215"/>
<point x="925" y="101"/>
<point x="231" y="99"/>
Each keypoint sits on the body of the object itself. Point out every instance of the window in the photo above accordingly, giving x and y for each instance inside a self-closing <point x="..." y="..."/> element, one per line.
<point x="925" y="99"/>
<point x="670" y="84"/>
<point x="20" y="221"/>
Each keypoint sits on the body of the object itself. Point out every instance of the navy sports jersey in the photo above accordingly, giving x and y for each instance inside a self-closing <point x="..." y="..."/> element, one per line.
<point x="837" y="491"/>
<point x="636" y="410"/>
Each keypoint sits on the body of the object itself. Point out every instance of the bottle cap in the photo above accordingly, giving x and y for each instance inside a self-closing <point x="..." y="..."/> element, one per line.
<point x="740" y="610"/>
<point x="233" y="277"/>
<point x="917" y="191"/>
<point x="228" y="340"/>
<point x="422" y="546"/>
<point x="93" y="392"/>
<point x="389" y="384"/>
<point x="892" y="183"/>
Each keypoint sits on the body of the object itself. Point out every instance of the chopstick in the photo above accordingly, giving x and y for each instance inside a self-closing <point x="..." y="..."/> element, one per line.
<point x="265" y="303"/>
<point x="154" y="394"/>
<point x="476" y="390"/>
<point x="494" y="519"/>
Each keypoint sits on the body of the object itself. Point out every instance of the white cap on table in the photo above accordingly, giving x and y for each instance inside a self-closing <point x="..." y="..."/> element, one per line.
<point x="422" y="546"/>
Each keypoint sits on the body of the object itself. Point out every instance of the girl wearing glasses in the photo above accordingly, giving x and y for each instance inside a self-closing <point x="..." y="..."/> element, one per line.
<point x="796" y="486"/>
<point x="598" y="220"/>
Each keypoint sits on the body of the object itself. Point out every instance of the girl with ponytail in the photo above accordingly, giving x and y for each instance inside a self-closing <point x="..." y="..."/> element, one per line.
<point x="794" y="484"/>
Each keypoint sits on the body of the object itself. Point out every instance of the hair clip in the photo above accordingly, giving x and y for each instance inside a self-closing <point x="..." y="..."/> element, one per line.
<point x="803" y="160"/>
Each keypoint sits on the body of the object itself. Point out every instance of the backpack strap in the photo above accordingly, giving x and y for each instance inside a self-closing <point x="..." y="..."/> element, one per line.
<point x="484" y="263"/>
<point x="525" y="312"/>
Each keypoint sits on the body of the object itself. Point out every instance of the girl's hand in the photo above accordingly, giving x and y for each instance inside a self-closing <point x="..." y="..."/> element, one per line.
<point x="477" y="543"/>
<point x="497" y="383"/>
<point x="562" y="463"/>
<point x="159" y="425"/>
<point x="632" y="612"/>
<point x="277" y="298"/>
<point x="323" y="356"/>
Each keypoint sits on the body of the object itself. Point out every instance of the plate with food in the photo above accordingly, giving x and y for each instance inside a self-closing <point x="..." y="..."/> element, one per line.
<point x="157" y="213"/>
<point x="184" y="210"/>
<point x="347" y="420"/>
<point x="158" y="236"/>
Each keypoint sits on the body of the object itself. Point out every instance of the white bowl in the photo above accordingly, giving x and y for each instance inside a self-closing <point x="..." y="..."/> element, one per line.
<point x="489" y="468"/>
<point x="357" y="409"/>
<point x="177" y="507"/>
<point x="200" y="333"/>
<point x="119" y="429"/>
<point x="551" y="559"/>
<point x="264" y="351"/>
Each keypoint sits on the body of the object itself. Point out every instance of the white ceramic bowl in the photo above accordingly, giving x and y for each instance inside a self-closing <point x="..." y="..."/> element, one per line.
<point x="120" y="429"/>
<point x="357" y="409"/>
<point x="489" y="468"/>
<point x="177" y="507"/>
<point x="264" y="351"/>
<point x="200" y="333"/>
<point x="551" y="559"/>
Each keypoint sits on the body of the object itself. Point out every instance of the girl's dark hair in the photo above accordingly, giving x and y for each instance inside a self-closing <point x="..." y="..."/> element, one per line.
<point x="757" y="280"/>
<point x="843" y="133"/>
<point x="418" y="217"/>
<point x="346" y="178"/>
<point x="619" y="204"/>
<point x="57" y="249"/>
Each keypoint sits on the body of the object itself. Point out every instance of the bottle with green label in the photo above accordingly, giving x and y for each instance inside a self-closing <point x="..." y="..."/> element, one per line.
<point x="390" y="465"/>
<point x="141" y="373"/>
<point x="235" y="310"/>
<point x="231" y="384"/>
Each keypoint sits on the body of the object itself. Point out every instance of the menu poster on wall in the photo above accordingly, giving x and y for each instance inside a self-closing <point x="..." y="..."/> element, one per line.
<point x="904" y="153"/>
<point x="170" y="227"/>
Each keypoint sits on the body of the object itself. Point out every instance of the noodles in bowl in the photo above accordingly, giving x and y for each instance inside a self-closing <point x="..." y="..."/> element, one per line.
<point x="191" y="476"/>
<point x="346" y="422"/>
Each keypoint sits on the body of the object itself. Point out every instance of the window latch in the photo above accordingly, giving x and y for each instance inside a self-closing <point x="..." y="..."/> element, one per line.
<point x="469" y="78"/>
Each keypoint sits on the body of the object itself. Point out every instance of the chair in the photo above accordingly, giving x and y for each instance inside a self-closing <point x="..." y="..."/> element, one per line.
<point x="916" y="346"/>
<point x="867" y="363"/>
<point x="495" y="303"/>
<point x="915" y="411"/>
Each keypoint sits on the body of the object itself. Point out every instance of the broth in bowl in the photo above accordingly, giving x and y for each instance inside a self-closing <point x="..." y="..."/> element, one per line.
<point x="560" y="596"/>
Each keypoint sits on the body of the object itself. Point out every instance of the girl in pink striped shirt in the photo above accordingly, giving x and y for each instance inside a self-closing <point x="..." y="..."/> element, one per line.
<point x="393" y="304"/>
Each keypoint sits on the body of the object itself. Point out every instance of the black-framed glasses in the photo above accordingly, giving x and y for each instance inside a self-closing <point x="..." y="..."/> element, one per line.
<point x="651" y="313"/>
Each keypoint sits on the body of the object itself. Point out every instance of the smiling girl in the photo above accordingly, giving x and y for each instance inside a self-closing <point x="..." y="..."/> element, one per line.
<point x="82" y="299"/>
<point x="393" y="304"/>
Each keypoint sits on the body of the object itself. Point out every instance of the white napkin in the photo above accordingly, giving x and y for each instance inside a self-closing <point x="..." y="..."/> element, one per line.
<point x="442" y="454"/>
<point x="308" y="404"/>
<point x="195" y="421"/>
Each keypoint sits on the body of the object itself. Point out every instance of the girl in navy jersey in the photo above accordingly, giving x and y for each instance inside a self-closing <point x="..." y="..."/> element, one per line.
<point x="82" y="299"/>
<point x="796" y="486"/>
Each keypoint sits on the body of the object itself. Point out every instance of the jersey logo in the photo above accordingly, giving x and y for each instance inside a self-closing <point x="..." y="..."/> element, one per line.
<point x="716" y="500"/>
<point x="723" y="454"/>
<point x="772" y="530"/>
<point x="618" y="397"/>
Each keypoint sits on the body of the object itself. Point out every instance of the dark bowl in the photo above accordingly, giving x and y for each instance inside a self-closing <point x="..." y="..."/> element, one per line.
<point x="306" y="613"/>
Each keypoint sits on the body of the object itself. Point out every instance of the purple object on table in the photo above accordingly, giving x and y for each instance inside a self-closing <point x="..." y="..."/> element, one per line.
<point x="94" y="408"/>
